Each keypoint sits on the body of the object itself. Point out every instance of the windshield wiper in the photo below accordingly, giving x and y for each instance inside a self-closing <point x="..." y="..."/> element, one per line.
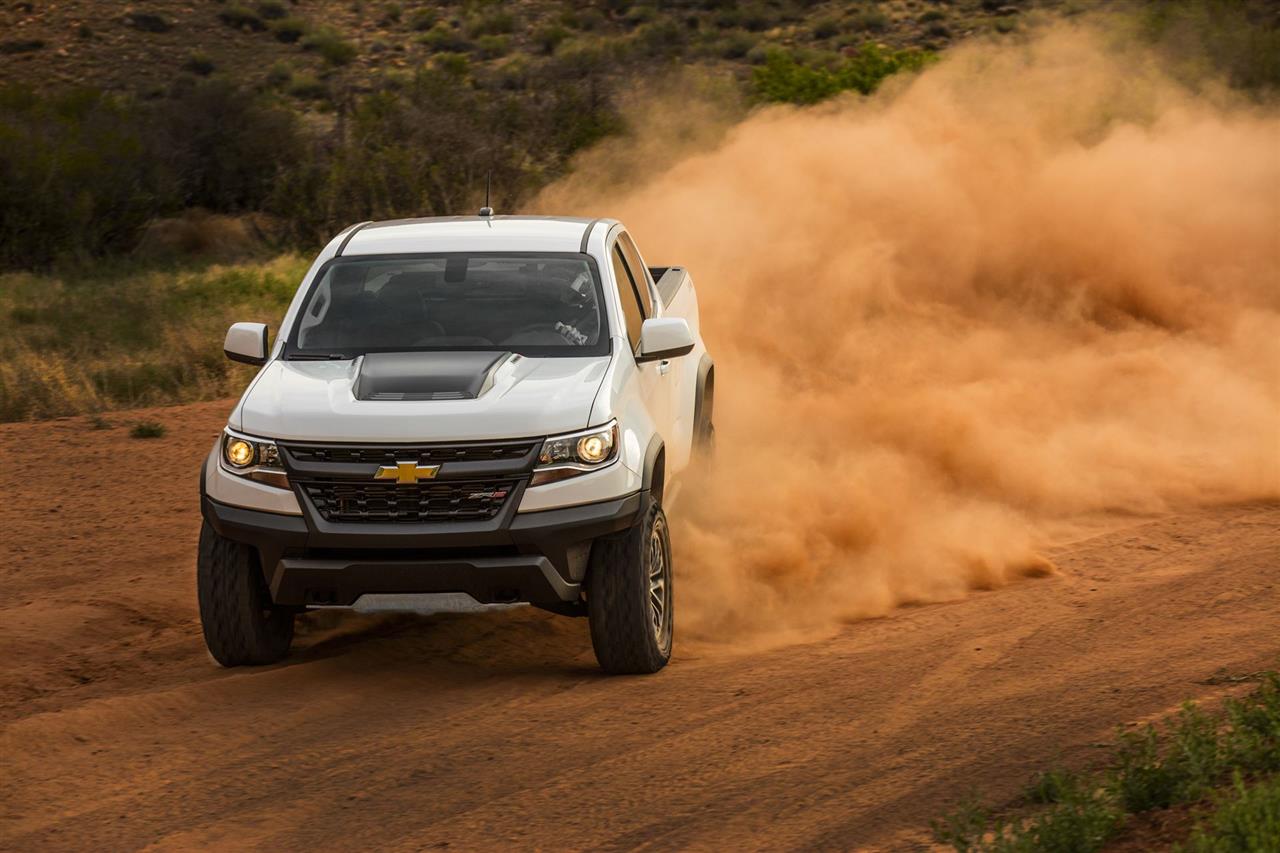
<point x="319" y="356"/>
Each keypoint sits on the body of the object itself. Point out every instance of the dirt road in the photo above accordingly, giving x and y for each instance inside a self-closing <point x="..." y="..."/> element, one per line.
<point x="479" y="732"/>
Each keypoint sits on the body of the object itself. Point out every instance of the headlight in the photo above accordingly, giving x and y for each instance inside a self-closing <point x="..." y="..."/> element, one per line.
<point x="253" y="458"/>
<point x="577" y="453"/>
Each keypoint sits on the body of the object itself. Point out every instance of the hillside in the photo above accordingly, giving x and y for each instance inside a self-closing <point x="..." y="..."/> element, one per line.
<point x="309" y="48"/>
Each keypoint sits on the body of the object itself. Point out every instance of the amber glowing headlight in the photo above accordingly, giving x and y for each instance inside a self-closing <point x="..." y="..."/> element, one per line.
<point x="577" y="453"/>
<point x="253" y="458"/>
<point x="239" y="452"/>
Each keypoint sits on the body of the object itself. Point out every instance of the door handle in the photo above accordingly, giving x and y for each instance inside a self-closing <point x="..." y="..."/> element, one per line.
<point x="664" y="366"/>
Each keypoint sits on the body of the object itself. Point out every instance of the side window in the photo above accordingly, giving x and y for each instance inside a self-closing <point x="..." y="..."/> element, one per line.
<point x="627" y="292"/>
<point x="638" y="273"/>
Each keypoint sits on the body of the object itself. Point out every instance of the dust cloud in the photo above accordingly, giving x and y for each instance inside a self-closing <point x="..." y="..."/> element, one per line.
<point x="1031" y="284"/>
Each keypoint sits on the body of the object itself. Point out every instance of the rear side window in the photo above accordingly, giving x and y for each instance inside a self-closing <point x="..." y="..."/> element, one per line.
<point x="627" y="291"/>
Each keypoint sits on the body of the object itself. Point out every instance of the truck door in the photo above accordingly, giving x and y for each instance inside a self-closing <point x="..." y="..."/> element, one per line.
<point x="678" y="430"/>
<point x="655" y="377"/>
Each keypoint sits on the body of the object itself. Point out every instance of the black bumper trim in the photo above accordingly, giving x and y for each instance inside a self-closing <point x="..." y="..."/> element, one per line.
<point x="489" y="580"/>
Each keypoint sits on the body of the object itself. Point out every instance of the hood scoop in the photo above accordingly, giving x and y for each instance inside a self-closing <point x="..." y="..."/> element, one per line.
<point x="426" y="375"/>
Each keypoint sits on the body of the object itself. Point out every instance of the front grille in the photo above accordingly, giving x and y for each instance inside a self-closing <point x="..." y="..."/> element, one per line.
<point x="374" y="503"/>
<point x="423" y="454"/>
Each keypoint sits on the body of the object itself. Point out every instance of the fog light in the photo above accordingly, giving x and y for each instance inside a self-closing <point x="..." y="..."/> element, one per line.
<point x="239" y="452"/>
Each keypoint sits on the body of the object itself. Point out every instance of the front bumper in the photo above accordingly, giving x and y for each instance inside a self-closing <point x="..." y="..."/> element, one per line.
<point x="538" y="557"/>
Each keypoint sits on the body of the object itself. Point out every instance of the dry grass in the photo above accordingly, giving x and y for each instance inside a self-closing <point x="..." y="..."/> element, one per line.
<point x="88" y="342"/>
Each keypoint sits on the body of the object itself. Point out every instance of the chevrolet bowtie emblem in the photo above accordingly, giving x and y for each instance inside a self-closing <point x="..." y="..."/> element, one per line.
<point x="406" y="472"/>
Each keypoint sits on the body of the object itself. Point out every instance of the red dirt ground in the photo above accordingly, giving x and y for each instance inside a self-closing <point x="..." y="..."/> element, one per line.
<point x="477" y="732"/>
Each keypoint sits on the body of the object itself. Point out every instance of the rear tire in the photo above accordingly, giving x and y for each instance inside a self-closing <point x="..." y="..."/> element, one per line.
<point x="629" y="596"/>
<point x="241" y="624"/>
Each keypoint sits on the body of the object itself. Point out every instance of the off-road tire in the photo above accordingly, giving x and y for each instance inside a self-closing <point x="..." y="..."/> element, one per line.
<point x="241" y="625"/>
<point x="622" y="620"/>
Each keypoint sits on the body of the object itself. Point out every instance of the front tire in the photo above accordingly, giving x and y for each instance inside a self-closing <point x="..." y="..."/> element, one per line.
<point x="629" y="596"/>
<point x="241" y="624"/>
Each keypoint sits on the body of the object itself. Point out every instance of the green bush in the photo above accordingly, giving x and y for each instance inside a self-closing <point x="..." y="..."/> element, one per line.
<point x="1239" y="38"/>
<point x="783" y="79"/>
<point x="198" y="62"/>
<point x="289" y="30"/>
<point x="871" y="21"/>
<point x="1245" y="820"/>
<point x="1180" y="762"/>
<point x="491" y="47"/>
<point x="330" y="44"/>
<point x="76" y="176"/>
<point x="272" y="10"/>
<point x="149" y="23"/>
<point x="491" y="23"/>
<point x="242" y="18"/>
<point x="308" y="87"/>
<point x="549" y="37"/>
<point x="423" y="19"/>
<point x="826" y="28"/>
<point x="735" y="44"/>
<point x="444" y="38"/>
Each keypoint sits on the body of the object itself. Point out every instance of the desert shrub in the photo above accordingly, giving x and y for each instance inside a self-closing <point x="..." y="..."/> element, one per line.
<point x="242" y="18"/>
<point x="279" y="74"/>
<point x="272" y="10"/>
<point x="735" y="44"/>
<point x="1246" y="818"/>
<point x="640" y="15"/>
<point x="453" y="64"/>
<point x="198" y="62"/>
<point x="289" y="30"/>
<point x="147" y="429"/>
<point x="756" y="17"/>
<point x="782" y="78"/>
<point x="423" y="19"/>
<point x="331" y="45"/>
<point x="491" y="47"/>
<point x="308" y="87"/>
<point x="75" y="175"/>
<point x="444" y="38"/>
<point x="148" y="22"/>
<point x="826" y="28"/>
<point x="1183" y="761"/>
<point x="491" y="23"/>
<point x="870" y="21"/>
<point x="1239" y="38"/>
<point x="584" y="20"/>
<point x="663" y="38"/>
<point x="549" y="36"/>
<point x="222" y="147"/>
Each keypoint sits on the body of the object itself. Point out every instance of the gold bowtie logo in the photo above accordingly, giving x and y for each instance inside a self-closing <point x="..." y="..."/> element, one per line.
<point x="406" y="472"/>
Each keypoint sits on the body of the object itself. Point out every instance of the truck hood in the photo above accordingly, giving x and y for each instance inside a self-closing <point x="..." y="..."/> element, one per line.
<point x="519" y="397"/>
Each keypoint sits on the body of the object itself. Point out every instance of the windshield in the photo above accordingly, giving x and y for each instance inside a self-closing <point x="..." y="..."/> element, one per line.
<point x="533" y="304"/>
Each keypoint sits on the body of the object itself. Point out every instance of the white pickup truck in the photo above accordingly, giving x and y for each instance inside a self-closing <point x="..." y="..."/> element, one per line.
<point x="492" y="405"/>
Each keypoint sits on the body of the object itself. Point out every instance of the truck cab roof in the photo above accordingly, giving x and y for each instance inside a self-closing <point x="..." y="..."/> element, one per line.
<point x="468" y="234"/>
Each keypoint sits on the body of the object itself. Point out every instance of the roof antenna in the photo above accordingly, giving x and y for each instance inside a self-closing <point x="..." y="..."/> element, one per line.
<point x="487" y="211"/>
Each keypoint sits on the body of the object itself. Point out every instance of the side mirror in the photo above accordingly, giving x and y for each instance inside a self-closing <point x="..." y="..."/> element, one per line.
<point x="247" y="343"/>
<point x="665" y="337"/>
